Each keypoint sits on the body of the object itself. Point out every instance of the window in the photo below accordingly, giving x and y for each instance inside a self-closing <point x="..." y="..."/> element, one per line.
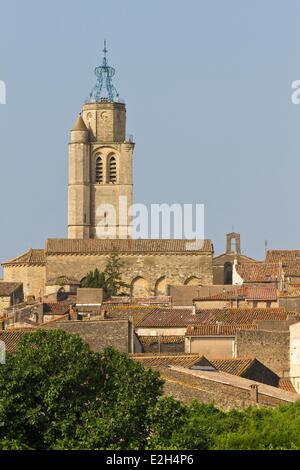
<point x="112" y="169"/>
<point x="99" y="170"/>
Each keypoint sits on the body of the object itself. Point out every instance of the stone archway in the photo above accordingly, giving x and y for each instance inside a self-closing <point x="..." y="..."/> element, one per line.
<point x="193" y="281"/>
<point x="140" y="287"/>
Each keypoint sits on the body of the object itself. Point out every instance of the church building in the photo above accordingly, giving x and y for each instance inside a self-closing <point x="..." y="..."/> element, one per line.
<point x="100" y="177"/>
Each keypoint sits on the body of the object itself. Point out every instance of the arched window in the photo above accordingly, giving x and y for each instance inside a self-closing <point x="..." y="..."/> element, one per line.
<point x="99" y="170"/>
<point x="228" y="273"/>
<point x="112" y="169"/>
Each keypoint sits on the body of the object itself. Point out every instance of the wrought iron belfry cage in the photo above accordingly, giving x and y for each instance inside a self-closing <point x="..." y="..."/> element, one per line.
<point x="104" y="90"/>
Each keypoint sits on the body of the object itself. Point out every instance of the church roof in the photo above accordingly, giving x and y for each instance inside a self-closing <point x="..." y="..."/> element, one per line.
<point x="97" y="246"/>
<point x="79" y="124"/>
<point x="32" y="257"/>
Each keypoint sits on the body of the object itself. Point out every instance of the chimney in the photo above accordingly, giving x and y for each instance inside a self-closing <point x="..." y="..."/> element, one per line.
<point x="194" y="312"/>
<point x="254" y="393"/>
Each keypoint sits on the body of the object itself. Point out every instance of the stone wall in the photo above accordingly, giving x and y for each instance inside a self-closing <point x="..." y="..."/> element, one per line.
<point x="5" y="302"/>
<point x="154" y="347"/>
<point x="292" y="304"/>
<point x="101" y="334"/>
<point x="223" y="396"/>
<point x="269" y="347"/>
<point x="151" y="268"/>
<point x="32" y="277"/>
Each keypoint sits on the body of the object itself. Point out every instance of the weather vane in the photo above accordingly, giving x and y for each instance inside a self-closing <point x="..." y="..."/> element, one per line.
<point x="104" y="90"/>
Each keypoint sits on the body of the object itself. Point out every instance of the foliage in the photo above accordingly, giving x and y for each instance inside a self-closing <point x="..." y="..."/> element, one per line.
<point x="110" y="279"/>
<point x="94" y="279"/>
<point x="55" y="393"/>
<point x="113" y="275"/>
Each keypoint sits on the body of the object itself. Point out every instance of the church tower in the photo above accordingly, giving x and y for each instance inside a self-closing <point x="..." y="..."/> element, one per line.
<point x="100" y="186"/>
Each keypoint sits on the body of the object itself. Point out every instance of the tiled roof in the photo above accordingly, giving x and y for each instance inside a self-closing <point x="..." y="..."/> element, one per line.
<point x="168" y="317"/>
<point x="286" y="384"/>
<point x="166" y="360"/>
<point x="217" y="330"/>
<point x="291" y="269"/>
<point x="7" y="288"/>
<point x="98" y="246"/>
<point x="181" y="317"/>
<point x="232" y="366"/>
<point x="63" y="281"/>
<point x="148" y="340"/>
<point x="266" y="293"/>
<point x="240" y="316"/>
<point x="136" y="312"/>
<point x="260" y="272"/>
<point x="11" y="339"/>
<point x="237" y="366"/>
<point x="32" y="257"/>
<point x="282" y="255"/>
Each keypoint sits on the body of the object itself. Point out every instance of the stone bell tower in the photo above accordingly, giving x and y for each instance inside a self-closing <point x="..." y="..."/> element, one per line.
<point x="100" y="187"/>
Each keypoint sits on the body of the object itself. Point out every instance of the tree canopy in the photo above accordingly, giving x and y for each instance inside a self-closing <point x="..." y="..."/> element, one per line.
<point x="55" y="393"/>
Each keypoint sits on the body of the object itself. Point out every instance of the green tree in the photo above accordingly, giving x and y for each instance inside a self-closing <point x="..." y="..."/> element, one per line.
<point x="110" y="280"/>
<point x="95" y="279"/>
<point x="55" y="393"/>
<point x="113" y="275"/>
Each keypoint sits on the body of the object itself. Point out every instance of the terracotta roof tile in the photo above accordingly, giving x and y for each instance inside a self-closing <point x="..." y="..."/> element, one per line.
<point x="124" y="312"/>
<point x="260" y="272"/>
<point x="238" y="366"/>
<point x="286" y="384"/>
<point x="246" y="316"/>
<point x="217" y="330"/>
<point x="267" y="293"/>
<point x="180" y="317"/>
<point x="166" y="360"/>
<point x="11" y="339"/>
<point x="282" y="255"/>
<point x="148" y="340"/>
<point x="31" y="257"/>
<point x="234" y="366"/>
<point x="92" y="246"/>
<point x="177" y="317"/>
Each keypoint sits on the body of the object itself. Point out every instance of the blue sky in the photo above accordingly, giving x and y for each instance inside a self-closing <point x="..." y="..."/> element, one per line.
<point x="208" y="92"/>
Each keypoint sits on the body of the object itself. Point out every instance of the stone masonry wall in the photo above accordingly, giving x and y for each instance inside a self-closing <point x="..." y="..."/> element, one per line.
<point x="32" y="277"/>
<point x="177" y="268"/>
<point x="223" y="396"/>
<point x="269" y="347"/>
<point x="101" y="334"/>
